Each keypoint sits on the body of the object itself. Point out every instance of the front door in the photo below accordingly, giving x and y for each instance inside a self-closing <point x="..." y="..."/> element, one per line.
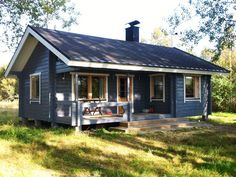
<point x="122" y="91"/>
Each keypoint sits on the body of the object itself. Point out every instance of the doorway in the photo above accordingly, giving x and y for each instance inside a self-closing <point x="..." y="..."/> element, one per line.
<point x="122" y="91"/>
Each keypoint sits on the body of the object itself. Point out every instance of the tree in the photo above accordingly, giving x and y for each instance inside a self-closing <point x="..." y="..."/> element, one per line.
<point x="159" y="37"/>
<point x="15" y="15"/>
<point x="207" y="54"/>
<point x="209" y="18"/>
<point x="224" y="87"/>
<point x="8" y="87"/>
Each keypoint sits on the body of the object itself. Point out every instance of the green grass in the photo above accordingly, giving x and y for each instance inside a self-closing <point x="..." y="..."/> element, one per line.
<point x="29" y="151"/>
<point x="221" y="118"/>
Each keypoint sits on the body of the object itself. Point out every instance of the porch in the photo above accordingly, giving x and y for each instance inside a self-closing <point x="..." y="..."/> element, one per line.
<point x="75" y="113"/>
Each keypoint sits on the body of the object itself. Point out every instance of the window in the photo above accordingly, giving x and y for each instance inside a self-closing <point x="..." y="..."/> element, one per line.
<point x="192" y="87"/>
<point x="35" y="89"/>
<point x="157" y="88"/>
<point x="82" y="87"/>
<point x="98" y="87"/>
<point x="123" y="87"/>
<point x="91" y="87"/>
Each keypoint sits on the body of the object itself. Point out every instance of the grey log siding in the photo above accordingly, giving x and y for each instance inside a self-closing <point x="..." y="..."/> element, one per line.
<point x="38" y="62"/>
<point x="21" y="96"/>
<point x="140" y="87"/>
<point x="190" y="108"/>
<point x="142" y="94"/>
<point x="63" y="93"/>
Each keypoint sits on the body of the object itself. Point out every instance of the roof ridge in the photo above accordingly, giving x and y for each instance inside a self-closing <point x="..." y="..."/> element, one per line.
<point x="120" y="40"/>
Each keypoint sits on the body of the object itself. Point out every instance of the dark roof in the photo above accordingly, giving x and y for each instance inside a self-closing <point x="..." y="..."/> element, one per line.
<point x="79" y="47"/>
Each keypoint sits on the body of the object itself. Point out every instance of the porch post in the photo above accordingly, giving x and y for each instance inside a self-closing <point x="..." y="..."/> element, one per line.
<point x="173" y="94"/>
<point x="128" y="99"/>
<point x="74" y="113"/>
<point x="128" y="87"/>
<point x="79" y="111"/>
<point x="76" y="86"/>
<point x="79" y="117"/>
<point x="52" y="83"/>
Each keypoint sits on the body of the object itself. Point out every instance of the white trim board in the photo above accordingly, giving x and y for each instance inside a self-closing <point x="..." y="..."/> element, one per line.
<point x="67" y="61"/>
<point x="39" y="75"/>
<point x="199" y="89"/>
<point x="138" y="68"/>
<point x="27" y="33"/>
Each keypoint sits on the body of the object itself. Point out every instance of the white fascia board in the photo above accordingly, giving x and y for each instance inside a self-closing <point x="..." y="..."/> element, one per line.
<point x="14" y="57"/>
<point x="40" y="39"/>
<point x="137" y="68"/>
<point x="49" y="46"/>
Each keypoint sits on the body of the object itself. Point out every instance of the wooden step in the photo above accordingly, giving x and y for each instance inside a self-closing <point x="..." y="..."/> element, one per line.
<point x="162" y="127"/>
<point x="153" y="122"/>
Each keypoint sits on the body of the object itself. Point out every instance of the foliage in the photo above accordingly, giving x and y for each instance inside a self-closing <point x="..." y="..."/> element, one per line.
<point x="224" y="87"/>
<point x="209" y="18"/>
<point x="222" y="93"/>
<point x="8" y="87"/>
<point x="207" y="54"/>
<point x="15" y="15"/>
<point x="60" y="152"/>
<point x="159" y="37"/>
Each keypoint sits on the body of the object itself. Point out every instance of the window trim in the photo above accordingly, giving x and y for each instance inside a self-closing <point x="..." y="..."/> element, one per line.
<point x="132" y="88"/>
<point x="164" y="87"/>
<point x="39" y="100"/>
<point x="199" y="89"/>
<point x="75" y="75"/>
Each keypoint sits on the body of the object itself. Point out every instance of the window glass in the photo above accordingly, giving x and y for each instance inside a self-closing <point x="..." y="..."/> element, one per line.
<point x="157" y="85"/>
<point x="82" y="87"/>
<point x="189" y="85"/>
<point x="34" y="86"/>
<point x="98" y="87"/>
<point x="192" y="87"/>
<point x="90" y="87"/>
<point x="123" y="87"/>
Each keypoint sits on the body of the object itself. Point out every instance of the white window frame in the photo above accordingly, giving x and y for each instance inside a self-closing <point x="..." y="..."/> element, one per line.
<point x="39" y="100"/>
<point x="199" y="89"/>
<point x="164" y="87"/>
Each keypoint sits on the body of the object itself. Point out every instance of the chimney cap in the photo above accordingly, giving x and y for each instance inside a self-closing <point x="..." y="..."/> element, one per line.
<point x="133" y="23"/>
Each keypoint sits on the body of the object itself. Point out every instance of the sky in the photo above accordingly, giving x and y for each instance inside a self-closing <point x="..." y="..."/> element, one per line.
<point x="108" y="18"/>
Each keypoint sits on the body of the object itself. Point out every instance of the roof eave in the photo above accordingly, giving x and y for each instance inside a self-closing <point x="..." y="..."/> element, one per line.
<point x="73" y="63"/>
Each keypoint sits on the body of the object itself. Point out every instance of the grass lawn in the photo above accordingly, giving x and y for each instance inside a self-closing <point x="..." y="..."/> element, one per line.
<point x="27" y="151"/>
<point x="221" y="118"/>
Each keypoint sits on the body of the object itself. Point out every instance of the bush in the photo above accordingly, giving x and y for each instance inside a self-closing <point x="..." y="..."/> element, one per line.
<point x="222" y="93"/>
<point x="8" y="87"/>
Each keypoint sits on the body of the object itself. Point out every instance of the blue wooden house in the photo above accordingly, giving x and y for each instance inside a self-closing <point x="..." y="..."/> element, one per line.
<point x="80" y="80"/>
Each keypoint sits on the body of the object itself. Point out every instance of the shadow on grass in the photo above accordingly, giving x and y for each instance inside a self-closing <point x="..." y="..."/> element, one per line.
<point x="71" y="161"/>
<point x="206" y="142"/>
<point x="77" y="158"/>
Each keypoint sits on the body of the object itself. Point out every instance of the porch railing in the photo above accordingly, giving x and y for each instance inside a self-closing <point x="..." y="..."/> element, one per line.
<point x="75" y="110"/>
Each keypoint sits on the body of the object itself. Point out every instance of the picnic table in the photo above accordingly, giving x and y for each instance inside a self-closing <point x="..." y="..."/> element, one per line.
<point x="97" y="108"/>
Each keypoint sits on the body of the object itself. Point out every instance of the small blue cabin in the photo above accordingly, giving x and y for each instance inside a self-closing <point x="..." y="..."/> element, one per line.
<point x="80" y="80"/>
